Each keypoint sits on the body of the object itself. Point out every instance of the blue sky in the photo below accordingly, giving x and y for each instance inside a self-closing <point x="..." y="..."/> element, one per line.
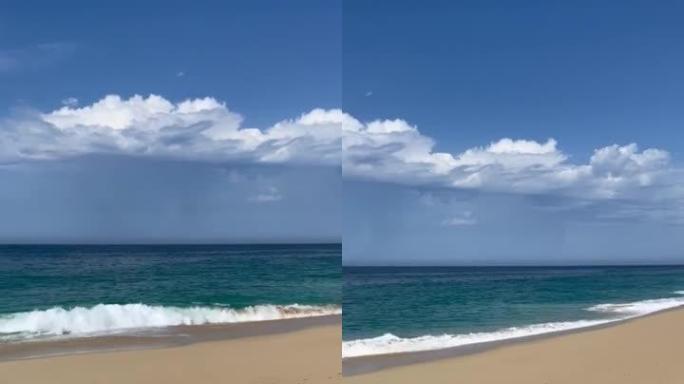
<point x="266" y="59"/>
<point x="527" y="132"/>
<point x="170" y="122"/>
<point x="473" y="132"/>
<point x="469" y="72"/>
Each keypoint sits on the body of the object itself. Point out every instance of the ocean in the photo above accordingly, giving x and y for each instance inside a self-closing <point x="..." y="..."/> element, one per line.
<point x="410" y="309"/>
<point x="58" y="291"/>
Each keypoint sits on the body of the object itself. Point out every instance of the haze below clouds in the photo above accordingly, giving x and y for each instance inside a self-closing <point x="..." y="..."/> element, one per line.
<point x="525" y="132"/>
<point x="145" y="169"/>
<point x="147" y="122"/>
<point x="114" y="199"/>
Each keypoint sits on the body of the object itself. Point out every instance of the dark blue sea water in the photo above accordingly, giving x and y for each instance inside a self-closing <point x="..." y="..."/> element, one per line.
<point x="406" y="309"/>
<point x="69" y="289"/>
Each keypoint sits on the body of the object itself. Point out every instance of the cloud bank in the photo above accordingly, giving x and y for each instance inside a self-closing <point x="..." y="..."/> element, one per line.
<point x="629" y="182"/>
<point x="195" y="129"/>
<point x="393" y="150"/>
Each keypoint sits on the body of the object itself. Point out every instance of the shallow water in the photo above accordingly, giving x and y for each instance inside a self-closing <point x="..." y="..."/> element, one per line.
<point x="389" y="310"/>
<point x="70" y="290"/>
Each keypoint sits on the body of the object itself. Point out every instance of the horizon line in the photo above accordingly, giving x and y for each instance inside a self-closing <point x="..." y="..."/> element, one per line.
<point x="681" y="264"/>
<point x="170" y="243"/>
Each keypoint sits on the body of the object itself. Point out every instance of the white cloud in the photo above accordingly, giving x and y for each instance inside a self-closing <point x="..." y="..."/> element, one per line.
<point x="196" y="129"/>
<point x="70" y="102"/>
<point x="397" y="152"/>
<point x="151" y="113"/>
<point x="463" y="220"/>
<point x="269" y="195"/>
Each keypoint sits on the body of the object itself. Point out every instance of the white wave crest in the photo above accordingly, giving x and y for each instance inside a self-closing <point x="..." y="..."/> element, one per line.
<point x="106" y="318"/>
<point x="639" y="308"/>
<point x="389" y="343"/>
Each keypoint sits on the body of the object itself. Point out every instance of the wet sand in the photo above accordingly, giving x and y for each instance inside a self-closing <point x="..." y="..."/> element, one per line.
<point x="644" y="350"/>
<point x="291" y="351"/>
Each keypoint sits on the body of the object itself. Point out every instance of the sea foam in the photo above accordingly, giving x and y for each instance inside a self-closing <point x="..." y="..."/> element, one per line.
<point x="108" y="318"/>
<point x="389" y="343"/>
<point x="639" y="308"/>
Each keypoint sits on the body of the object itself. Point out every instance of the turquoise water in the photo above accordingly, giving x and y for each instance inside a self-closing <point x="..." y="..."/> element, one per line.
<point x="405" y="309"/>
<point x="47" y="290"/>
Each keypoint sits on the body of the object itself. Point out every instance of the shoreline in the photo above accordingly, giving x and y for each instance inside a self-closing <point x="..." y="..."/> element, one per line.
<point x="360" y="365"/>
<point x="636" y="350"/>
<point x="157" y="338"/>
<point x="294" y="352"/>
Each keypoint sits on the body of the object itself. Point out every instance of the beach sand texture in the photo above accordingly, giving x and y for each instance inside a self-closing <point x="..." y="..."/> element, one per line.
<point x="310" y="355"/>
<point x="648" y="350"/>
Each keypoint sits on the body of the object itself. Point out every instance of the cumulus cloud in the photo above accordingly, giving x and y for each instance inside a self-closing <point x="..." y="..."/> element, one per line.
<point x="197" y="129"/>
<point x="637" y="182"/>
<point x="395" y="151"/>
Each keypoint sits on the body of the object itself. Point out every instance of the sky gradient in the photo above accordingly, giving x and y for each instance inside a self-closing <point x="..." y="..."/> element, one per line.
<point x="533" y="132"/>
<point x="268" y="65"/>
<point x="540" y="132"/>
<point x="471" y="72"/>
<point x="160" y="122"/>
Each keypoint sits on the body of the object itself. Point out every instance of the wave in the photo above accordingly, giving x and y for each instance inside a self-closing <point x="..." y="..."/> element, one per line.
<point x="390" y="344"/>
<point x="638" y="308"/>
<point x="109" y="318"/>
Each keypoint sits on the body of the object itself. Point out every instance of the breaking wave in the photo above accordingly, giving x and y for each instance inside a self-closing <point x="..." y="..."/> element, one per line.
<point x="389" y="343"/>
<point x="108" y="318"/>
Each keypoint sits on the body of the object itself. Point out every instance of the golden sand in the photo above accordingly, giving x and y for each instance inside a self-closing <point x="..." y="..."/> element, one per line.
<point x="648" y="350"/>
<point x="311" y="355"/>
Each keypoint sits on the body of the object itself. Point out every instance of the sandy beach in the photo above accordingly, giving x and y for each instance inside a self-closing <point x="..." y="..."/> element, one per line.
<point x="307" y="355"/>
<point x="644" y="350"/>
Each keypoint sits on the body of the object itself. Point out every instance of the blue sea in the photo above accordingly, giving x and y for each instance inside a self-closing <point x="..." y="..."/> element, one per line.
<point x="75" y="290"/>
<point x="408" y="309"/>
